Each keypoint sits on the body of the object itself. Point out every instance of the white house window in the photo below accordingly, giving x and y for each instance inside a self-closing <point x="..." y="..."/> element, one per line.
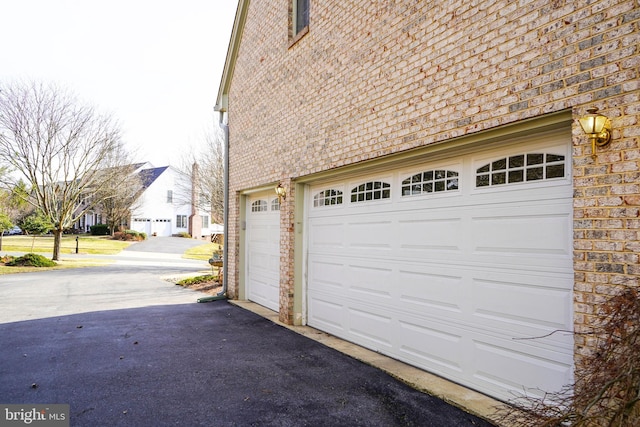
<point x="275" y="205"/>
<point x="327" y="198"/>
<point x="205" y="221"/>
<point x="521" y="168"/>
<point x="181" y="221"/>
<point x="169" y="196"/>
<point x="430" y="182"/>
<point x="259" y="206"/>
<point x="374" y="190"/>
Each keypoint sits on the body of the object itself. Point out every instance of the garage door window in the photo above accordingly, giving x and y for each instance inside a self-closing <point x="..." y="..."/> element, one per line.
<point x="327" y="198"/>
<point x="374" y="190"/>
<point x="429" y="182"/>
<point x="259" y="206"/>
<point x="275" y="205"/>
<point x="521" y="168"/>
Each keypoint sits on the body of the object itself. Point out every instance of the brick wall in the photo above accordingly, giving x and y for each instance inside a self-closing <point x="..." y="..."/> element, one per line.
<point x="373" y="78"/>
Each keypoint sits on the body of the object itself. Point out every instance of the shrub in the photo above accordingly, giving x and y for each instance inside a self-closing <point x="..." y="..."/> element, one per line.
<point x="31" y="260"/>
<point x="134" y="235"/>
<point x="184" y="234"/>
<point x="99" y="230"/>
<point x="196" y="280"/>
<point x="129" y="235"/>
<point x="6" y="258"/>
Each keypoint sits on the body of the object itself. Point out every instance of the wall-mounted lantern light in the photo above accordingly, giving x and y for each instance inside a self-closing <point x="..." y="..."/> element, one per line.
<point x="281" y="192"/>
<point x="597" y="127"/>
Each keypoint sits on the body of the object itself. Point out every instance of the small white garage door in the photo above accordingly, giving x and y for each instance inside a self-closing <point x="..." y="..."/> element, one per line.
<point x="161" y="227"/>
<point x="462" y="267"/>
<point x="142" y="225"/>
<point x="263" y="250"/>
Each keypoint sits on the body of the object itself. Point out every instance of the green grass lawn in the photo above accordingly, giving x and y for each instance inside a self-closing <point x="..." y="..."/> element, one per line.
<point x="86" y="245"/>
<point x="61" y="265"/>
<point x="202" y="252"/>
<point x="44" y="244"/>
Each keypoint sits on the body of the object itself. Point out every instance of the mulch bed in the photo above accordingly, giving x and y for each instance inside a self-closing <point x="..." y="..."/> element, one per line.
<point x="211" y="287"/>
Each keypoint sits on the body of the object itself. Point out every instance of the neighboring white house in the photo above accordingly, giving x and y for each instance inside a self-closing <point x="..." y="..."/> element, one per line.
<point x="165" y="207"/>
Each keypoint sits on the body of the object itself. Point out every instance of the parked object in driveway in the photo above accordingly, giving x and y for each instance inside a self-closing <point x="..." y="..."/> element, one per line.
<point x="13" y="231"/>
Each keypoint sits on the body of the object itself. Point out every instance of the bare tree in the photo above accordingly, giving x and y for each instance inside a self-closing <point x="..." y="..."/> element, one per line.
<point x="117" y="199"/>
<point x="59" y="146"/>
<point x="215" y="167"/>
<point x="209" y="179"/>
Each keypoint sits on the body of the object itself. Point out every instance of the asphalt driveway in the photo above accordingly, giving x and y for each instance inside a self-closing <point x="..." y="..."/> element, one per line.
<point x="123" y="347"/>
<point x="169" y="245"/>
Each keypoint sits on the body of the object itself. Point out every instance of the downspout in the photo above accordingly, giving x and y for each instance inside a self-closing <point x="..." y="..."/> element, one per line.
<point x="225" y="254"/>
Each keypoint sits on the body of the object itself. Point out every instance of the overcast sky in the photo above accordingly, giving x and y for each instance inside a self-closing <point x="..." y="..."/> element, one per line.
<point x="154" y="64"/>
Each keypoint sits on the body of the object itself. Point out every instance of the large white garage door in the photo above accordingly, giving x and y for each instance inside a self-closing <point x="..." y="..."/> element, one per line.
<point x="263" y="250"/>
<point x="462" y="267"/>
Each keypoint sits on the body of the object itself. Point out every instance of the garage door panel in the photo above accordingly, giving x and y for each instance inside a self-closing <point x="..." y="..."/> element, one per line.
<point x="522" y="235"/>
<point x="521" y="304"/>
<point x="326" y="234"/>
<point x="520" y="231"/>
<point x="425" y="289"/>
<point x="509" y="366"/>
<point x="373" y="234"/>
<point x="260" y="291"/>
<point x="327" y="313"/>
<point x="328" y="274"/>
<point x="368" y="326"/>
<point x="431" y="347"/>
<point x="261" y="261"/>
<point x="420" y="233"/>
<point x="261" y="234"/>
<point x="369" y="281"/>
